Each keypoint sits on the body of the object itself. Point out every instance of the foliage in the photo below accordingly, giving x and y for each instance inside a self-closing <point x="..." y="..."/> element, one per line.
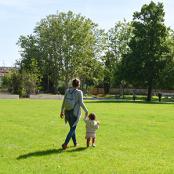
<point x="67" y="45"/>
<point x="167" y="75"/>
<point x="63" y="46"/>
<point x="148" y="54"/>
<point x="21" y="83"/>
<point x="119" y="36"/>
<point x="118" y="39"/>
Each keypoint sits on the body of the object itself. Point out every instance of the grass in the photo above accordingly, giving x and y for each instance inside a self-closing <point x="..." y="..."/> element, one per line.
<point x="134" y="138"/>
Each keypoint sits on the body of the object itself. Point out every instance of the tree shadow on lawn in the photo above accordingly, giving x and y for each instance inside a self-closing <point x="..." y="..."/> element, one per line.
<point x="133" y="102"/>
<point x="48" y="152"/>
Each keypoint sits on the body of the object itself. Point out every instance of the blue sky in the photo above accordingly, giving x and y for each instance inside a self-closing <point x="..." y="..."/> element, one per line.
<point x="19" y="17"/>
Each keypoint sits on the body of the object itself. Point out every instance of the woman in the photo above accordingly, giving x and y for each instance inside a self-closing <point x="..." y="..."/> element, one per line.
<point x="71" y="109"/>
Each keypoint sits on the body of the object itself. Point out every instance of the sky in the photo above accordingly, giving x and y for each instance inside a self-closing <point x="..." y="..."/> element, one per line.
<point x="19" y="17"/>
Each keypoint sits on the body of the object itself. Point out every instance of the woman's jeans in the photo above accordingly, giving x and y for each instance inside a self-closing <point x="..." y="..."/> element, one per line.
<point x="69" y="116"/>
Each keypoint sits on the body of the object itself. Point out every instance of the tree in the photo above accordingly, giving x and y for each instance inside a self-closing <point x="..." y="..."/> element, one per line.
<point x="67" y="40"/>
<point x="20" y="82"/>
<point x="167" y="75"/>
<point x="119" y="36"/>
<point x="63" y="45"/>
<point x="148" y="53"/>
<point x="92" y="70"/>
<point x="32" y="61"/>
<point x="118" y="39"/>
<point x="30" y="53"/>
<point x="109" y="64"/>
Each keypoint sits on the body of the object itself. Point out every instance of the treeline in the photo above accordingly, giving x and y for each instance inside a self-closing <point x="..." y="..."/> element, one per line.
<point x="139" y="53"/>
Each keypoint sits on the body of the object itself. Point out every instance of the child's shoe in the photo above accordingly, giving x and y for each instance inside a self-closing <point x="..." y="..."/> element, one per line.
<point x="76" y="145"/>
<point x="93" y="145"/>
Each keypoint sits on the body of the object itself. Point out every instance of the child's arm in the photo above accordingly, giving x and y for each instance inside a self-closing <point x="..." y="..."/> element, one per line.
<point x="97" y="125"/>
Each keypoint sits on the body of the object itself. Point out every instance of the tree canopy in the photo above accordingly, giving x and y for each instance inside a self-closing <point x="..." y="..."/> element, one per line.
<point x="64" y="45"/>
<point x="139" y="53"/>
<point x="149" y="53"/>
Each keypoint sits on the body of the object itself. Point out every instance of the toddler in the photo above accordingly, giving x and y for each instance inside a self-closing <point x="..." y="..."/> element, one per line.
<point x="91" y="126"/>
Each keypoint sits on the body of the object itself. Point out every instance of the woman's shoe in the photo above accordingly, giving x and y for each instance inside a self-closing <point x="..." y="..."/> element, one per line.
<point x="64" y="146"/>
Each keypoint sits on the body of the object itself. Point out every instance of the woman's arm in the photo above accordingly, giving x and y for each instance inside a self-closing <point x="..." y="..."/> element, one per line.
<point x="82" y="104"/>
<point x="63" y="106"/>
<point x="85" y="118"/>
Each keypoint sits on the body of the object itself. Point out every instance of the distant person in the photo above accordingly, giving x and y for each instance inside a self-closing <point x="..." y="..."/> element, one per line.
<point x="134" y="96"/>
<point x="71" y="110"/>
<point x="159" y="96"/>
<point x="91" y="126"/>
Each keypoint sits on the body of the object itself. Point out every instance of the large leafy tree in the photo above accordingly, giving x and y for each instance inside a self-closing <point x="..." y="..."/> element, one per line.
<point x="63" y="45"/>
<point x="148" y="54"/>
<point x="68" y="42"/>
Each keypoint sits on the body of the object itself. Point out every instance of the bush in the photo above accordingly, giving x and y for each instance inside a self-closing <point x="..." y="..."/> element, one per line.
<point x="21" y="83"/>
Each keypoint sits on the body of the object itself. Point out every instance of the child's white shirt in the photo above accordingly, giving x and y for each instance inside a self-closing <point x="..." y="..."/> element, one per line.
<point x="91" y="125"/>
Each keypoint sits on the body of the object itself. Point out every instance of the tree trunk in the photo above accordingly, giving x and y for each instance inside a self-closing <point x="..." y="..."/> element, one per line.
<point x="149" y="94"/>
<point x="48" y="84"/>
<point x="106" y="88"/>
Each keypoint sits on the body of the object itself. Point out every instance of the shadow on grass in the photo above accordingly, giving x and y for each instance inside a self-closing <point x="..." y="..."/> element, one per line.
<point x="127" y="101"/>
<point x="40" y="153"/>
<point x="48" y="152"/>
<point x="77" y="149"/>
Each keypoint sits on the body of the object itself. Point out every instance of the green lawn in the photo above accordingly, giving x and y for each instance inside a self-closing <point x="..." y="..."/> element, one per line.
<point x="134" y="138"/>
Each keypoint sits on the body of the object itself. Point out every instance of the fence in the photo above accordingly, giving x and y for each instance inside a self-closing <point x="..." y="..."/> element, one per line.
<point x="128" y="91"/>
<point x="8" y="96"/>
<point x="46" y="96"/>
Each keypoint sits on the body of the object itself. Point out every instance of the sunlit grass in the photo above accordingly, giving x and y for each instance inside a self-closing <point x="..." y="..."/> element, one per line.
<point x="134" y="138"/>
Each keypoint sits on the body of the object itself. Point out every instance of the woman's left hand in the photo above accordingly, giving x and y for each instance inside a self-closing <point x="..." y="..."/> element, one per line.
<point x="61" y="115"/>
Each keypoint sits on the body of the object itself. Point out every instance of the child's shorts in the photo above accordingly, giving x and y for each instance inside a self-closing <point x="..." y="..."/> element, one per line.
<point x="90" y="135"/>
